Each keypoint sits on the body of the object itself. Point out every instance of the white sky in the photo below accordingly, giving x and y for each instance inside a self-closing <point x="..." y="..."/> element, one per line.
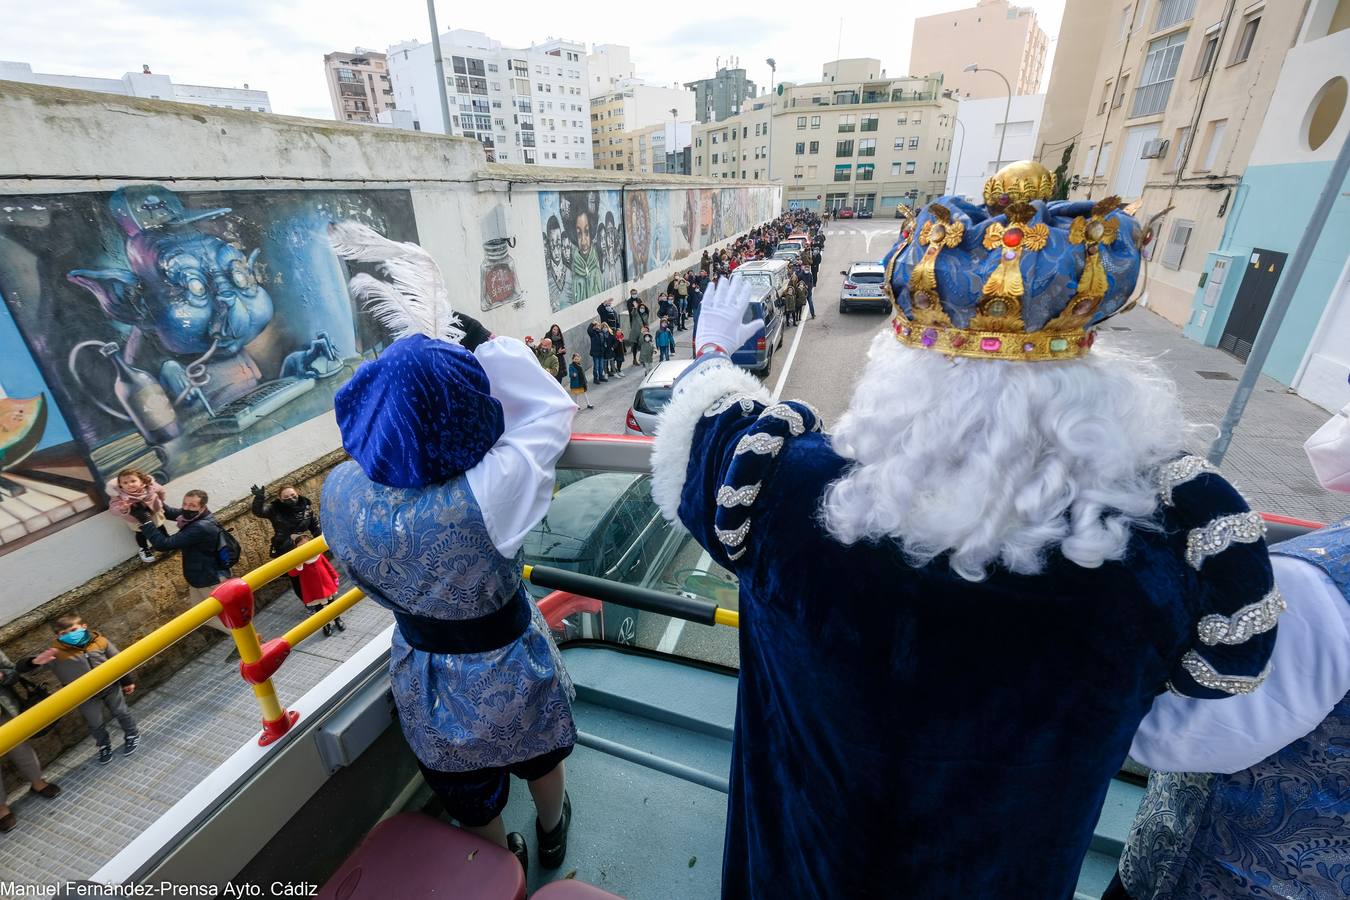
<point x="278" y="45"/>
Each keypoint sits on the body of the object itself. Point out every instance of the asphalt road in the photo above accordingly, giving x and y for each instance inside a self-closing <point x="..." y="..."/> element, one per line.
<point x="819" y="363"/>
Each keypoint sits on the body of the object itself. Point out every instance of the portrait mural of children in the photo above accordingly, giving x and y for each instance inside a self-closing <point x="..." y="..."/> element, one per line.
<point x="582" y="236"/>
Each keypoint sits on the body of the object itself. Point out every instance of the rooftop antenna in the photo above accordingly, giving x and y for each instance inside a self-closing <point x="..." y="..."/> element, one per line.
<point x="838" y="47"/>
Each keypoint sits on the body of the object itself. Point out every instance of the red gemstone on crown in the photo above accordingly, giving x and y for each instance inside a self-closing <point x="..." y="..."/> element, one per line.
<point x="958" y="340"/>
<point x="1012" y="237"/>
<point x="990" y="345"/>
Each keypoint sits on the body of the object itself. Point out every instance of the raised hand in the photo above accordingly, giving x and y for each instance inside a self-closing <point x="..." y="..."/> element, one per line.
<point x="722" y="320"/>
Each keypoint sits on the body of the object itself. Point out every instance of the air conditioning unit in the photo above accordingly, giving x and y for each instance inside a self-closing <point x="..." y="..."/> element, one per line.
<point x="1154" y="149"/>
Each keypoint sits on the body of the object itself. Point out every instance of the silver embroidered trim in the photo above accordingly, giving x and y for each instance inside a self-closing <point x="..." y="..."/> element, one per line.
<point x="726" y="401"/>
<point x="1219" y="535"/>
<point x="1178" y="472"/>
<point x="1252" y="619"/>
<point x="735" y="537"/>
<point x="728" y="496"/>
<point x="737" y="555"/>
<point x="787" y="414"/>
<point x="764" y="444"/>
<point x="1205" y="676"/>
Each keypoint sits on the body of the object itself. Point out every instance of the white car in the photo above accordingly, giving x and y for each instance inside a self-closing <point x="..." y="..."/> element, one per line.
<point x="652" y="396"/>
<point x="863" y="287"/>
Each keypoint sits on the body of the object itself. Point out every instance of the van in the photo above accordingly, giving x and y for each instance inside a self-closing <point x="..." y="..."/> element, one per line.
<point x="768" y="274"/>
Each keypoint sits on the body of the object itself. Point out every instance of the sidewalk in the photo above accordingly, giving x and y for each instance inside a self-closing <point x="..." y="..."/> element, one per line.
<point x="1265" y="460"/>
<point x="189" y="725"/>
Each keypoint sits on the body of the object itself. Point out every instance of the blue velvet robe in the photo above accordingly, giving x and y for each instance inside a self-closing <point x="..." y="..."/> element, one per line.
<point x="902" y="732"/>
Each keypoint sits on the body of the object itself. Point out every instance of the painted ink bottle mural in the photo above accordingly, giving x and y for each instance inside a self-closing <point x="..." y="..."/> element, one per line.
<point x="173" y="330"/>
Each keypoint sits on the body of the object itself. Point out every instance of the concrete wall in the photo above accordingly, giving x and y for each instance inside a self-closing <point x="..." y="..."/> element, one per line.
<point x="275" y="178"/>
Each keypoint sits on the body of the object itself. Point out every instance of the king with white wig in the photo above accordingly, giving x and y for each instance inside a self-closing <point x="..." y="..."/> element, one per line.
<point x="958" y="606"/>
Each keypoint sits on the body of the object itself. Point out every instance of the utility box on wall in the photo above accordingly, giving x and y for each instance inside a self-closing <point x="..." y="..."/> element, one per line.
<point x="1213" y="298"/>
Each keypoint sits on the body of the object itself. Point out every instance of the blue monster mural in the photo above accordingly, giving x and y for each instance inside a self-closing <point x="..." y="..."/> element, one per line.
<point x="174" y="329"/>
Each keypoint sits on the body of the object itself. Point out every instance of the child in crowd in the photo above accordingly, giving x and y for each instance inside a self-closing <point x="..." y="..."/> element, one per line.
<point x="616" y="352"/>
<point x="318" y="584"/>
<point x="577" y="378"/>
<point x="665" y="341"/>
<point x="134" y="486"/>
<point x="78" y="650"/>
<point x="647" y="350"/>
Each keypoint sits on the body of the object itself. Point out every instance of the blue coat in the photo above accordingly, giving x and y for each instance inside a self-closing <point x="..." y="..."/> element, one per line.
<point x="902" y="732"/>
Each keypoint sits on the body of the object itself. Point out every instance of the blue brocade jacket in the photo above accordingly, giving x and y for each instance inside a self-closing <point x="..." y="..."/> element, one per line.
<point x="427" y="551"/>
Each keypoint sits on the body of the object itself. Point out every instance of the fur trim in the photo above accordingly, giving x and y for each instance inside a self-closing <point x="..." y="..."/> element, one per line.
<point x="699" y="389"/>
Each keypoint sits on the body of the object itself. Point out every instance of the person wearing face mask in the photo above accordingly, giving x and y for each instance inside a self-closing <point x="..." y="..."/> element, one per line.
<point x="198" y="537"/>
<point x="1257" y="800"/>
<point x="290" y="514"/>
<point x="78" y="650"/>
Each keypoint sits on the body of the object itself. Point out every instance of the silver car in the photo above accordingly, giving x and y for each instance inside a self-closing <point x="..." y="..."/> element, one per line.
<point x="652" y="396"/>
<point x="863" y="288"/>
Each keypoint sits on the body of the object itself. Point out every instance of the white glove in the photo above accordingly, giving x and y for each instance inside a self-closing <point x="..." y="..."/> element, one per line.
<point x="724" y="318"/>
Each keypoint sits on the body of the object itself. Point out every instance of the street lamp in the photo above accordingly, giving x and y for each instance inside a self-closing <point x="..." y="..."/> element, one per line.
<point x="773" y="78"/>
<point x="440" y="64"/>
<point x="973" y="67"/>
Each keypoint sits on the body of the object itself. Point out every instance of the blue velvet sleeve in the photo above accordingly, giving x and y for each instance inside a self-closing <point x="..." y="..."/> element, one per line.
<point x="1239" y="602"/>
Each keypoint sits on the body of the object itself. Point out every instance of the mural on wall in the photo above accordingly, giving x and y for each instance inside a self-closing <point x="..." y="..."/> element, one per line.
<point x="683" y="223"/>
<point x="175" y="329"/>
<point x="45" y="483"/>
<point x="649" y="229"/>
<point x="583" y="244"/>
<point x="497" y="273"/>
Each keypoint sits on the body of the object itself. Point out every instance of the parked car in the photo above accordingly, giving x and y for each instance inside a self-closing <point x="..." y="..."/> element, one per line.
<point x="606" y="524"/>
<point x="863" y="287"/>
<point x="652" y="396"/>
<point x="844" y="213"/>
<point x="865" y="213"/>
<point x="790" y="244"/>
<point x="787" y="255"/>
<point x="756" y="354"/>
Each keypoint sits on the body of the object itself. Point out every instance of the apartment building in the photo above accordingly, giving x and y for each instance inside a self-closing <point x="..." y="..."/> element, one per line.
<point x="358" y="85"/>
<point x="619" y="115"/>
<point x="1083" y="31"/>
<point x="145" y="84"/>
<point x="1179" y="95"/>
<point x="524" y="105"/>
<point x="722" y="96"/>
<point x="856" y="138"/>
<point x="993" y="34"/>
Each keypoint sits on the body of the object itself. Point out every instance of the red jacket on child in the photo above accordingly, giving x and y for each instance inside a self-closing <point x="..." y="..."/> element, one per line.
<point x="318" y="580"/>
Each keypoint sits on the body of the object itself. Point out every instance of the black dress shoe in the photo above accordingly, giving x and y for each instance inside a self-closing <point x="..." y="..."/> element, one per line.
<point x="515" y="842"/>
<point x="553" y="845"/>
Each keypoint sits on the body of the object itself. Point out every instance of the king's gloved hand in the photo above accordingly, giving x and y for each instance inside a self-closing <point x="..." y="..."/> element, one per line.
<point x="722" y="319"/>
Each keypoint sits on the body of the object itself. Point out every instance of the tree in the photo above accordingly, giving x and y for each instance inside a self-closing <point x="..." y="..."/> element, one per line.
<point x="1062" y="175"/>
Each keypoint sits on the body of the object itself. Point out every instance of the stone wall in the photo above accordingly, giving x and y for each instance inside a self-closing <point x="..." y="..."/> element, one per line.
<point x="133" y="599"/>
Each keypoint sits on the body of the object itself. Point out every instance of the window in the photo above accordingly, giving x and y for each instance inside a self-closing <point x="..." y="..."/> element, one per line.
<point x="815" y="121"/>
<point x="1133" y="169"/>
<point x="1104" y="162"/>
<point x="1246" y="38"/>
<point x="1106" y="97"/>
<point x="842" y="172"/>
<point x="865" y="171"/>
<point x="867" y="147"/>
<point x="869" y="122"/>
<point x="801" y="123"/>
<point x="1172" y="12"/>
<point x="895" y="168"/>
<point x="492" y="67"/>
<point x="1175" y="248"/>
<point x="714" y="159"/>
<point x="815" y="147"/>
<point x="1213" y="141"/>
<point x="811" y="172"/>
<point x="917" y="118"/>
<point x="801" y="147"/>
<point x="698" y="160"/>
<point x="1155" y="81"/>
<point x="846" y="123"/>
<point x="1181" y="145"/>
<point x="843" y="148"/>
<point x="914" y="143"/>
<point x="1208" y="53"/>
<point x="796" y="172"/>
<point x="909" y="167"/>
<point x="1120" y="92"/>
<point x="902" y="119"/>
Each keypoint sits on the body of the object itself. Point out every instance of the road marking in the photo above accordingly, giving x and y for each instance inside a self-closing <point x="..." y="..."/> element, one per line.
<point x="792" y="354"/>
<point x="675" y="627"/>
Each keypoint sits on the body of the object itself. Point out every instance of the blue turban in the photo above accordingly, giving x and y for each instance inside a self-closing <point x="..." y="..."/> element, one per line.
<point x="420" y="414"/>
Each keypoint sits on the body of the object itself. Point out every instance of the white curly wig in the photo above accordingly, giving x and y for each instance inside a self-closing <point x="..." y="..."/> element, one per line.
<point x="1002" y="463"/>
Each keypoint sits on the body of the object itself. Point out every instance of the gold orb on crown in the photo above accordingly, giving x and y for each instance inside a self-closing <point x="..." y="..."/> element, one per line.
<point x="1018" y="183"/>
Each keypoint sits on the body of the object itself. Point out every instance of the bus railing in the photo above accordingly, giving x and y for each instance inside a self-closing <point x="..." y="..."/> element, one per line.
<point x="233" y="603"/>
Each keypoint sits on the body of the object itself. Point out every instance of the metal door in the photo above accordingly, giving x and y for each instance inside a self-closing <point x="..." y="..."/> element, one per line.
<point x="1253" y="296"/>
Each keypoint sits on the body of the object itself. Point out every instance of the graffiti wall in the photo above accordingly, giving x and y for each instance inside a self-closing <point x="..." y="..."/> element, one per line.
<point x="583" y="241"/>
<point x="167" y="330"/>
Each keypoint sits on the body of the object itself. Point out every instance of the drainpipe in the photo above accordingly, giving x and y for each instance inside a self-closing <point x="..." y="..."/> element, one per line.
<point x="1279" y="304"/>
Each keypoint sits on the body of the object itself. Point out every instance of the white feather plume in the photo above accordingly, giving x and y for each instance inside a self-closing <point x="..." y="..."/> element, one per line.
<point x="414" y="300"/>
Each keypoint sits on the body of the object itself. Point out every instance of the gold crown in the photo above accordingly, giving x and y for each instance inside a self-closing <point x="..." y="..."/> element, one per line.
<point x="997" y="331"/>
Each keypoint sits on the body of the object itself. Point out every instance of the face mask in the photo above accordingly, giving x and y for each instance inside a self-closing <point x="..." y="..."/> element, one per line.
<point x="290" y="501"/>
<point x="1329" y="453"/>
<point x="74" y="638"/>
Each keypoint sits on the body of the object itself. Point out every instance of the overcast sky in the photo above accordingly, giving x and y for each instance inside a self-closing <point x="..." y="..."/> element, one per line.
<point x="278" y="45"/>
